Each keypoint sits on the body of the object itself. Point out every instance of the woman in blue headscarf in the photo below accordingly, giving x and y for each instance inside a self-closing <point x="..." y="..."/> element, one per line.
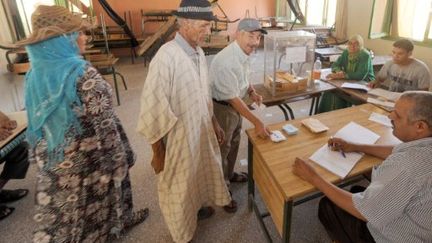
<point x="83" y="192"/>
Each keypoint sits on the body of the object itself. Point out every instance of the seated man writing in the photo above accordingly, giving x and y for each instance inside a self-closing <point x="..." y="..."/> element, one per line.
<point x="403" y="72"/>
<point x="396" y="206"/>
<point x="15" y="166"/>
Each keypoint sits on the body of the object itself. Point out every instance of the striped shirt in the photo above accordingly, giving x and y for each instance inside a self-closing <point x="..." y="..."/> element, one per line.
<point x="12" y="144"/>
<point x="398" y="202"/>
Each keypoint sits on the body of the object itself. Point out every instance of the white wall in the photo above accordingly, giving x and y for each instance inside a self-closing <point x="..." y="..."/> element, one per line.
<point x="359" y="14"/>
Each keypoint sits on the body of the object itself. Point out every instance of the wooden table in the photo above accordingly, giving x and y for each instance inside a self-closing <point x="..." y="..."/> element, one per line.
<point x="355" y="96"/>
<point x="270" y="164"/>
<point x="21" y="119"/>
<point x="282" y="99"/>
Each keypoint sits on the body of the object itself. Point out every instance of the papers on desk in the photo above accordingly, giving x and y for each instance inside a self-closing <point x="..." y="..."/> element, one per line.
<point x="21" y="119"/>
<point x="381" y="119"/>
<point x="388" y="95"/>
<point x="325" y="72"/>
<point x="375" y="101"/>
<point x="333" y="160"/>
<point x="357" y="85"/>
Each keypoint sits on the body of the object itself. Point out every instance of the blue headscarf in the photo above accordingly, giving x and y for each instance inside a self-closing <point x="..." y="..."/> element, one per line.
<point x="51" y="95"/>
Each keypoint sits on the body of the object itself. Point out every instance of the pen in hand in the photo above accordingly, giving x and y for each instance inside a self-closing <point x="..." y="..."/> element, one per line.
<point x="341" y="151"/>
<point x="337" y="146"/>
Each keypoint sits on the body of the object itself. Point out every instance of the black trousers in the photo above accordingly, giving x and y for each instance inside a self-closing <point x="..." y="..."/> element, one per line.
<point x="342" y="226"/>
<point x="16" y="163"/>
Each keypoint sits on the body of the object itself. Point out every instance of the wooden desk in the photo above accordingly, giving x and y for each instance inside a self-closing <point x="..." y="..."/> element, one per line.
<point x="21" y="119"/>
<point x="325" y="54"/>
<point x="354" y="96"/>
<point x="270" y="164"/>
<point x="282" y="100"/>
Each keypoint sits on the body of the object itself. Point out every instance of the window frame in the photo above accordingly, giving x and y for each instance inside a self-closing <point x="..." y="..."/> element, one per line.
<point x="385" y="34"/>
<point x="325" y="12"/>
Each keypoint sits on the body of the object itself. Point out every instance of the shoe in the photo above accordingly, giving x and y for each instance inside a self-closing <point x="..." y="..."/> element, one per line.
<point x="239" y="177"/>
<point x="231" y="207"/>
<point x="137" y="218"/>
<point x="205" y="213"/>
<point x="5" y="211"/>
<point x="7" y="196"/>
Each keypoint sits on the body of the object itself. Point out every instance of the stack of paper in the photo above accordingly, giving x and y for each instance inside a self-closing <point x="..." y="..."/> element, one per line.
<point x="388" y="95"/>
<point x="314" y="125"/>
<point x="381" y="119"/>
<point x="333" y="160"/>
<point x="359" y="85"/>
<point x="375" y="101"/>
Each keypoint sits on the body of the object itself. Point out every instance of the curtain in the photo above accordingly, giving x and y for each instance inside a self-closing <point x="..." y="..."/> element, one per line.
<point x="341" y="20"/>
<point x="63" y="3"/>
<point x="388" y="16"/>
<point x="412" y="18"/>
<point x="395" y="15"/>
<point x="282" y="9"/>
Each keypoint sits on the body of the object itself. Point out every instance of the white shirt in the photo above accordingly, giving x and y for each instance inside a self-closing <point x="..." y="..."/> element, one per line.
<point x="229" y="73"/>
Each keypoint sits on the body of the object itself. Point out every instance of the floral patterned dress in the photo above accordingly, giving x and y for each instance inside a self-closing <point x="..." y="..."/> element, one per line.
<point x="87" y="196"/>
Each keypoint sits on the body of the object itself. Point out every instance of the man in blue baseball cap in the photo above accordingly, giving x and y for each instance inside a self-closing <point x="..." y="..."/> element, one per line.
<point x="177" y="119"/>
<point x="229" y="82"/>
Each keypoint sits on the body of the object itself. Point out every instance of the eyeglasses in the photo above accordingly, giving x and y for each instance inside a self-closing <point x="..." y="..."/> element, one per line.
<point x="353" y="43"/>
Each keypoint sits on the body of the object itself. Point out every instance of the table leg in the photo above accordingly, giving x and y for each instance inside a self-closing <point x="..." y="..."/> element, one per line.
<point x="115" y="84"/>
<point x="286" y="230"/>
<point x="251" y="183"/>
<point x="289" y="110"/>
<point x="312" y="106"/>
<point x="284" y="112"/>
<point x="317" y="103"/>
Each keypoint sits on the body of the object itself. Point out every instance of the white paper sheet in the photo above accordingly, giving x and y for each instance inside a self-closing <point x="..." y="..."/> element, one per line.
<point x="381" y="119"/>
<point x="295" y="54"/>
<point x="359" y="86"/>
<point x="325" y="72"/>
<point x="375" y="101"/>
<point x="333" y="160"/>
<point x="388" y="95"/>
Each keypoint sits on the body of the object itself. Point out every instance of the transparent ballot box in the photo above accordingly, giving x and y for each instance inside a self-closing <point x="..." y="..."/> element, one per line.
<point x="288" y="60"/>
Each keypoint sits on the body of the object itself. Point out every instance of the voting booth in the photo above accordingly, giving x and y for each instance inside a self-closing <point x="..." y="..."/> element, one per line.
<point x="288" y="60"/>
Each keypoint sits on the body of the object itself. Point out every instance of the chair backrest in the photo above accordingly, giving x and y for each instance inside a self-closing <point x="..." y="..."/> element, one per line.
<point x="20" y="65"/>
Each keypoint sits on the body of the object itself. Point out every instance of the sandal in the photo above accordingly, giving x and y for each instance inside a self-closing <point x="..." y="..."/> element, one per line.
<point x="239" y="177"/>
<point x="205" y="213"/>
<point x="7" y="196"/>
<point x="5" y="211"/>
<point x="231" y="207"/>
<point x="137" y="218"/>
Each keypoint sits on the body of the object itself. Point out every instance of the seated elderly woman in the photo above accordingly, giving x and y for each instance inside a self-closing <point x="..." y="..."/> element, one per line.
<point x="355" y="63"/>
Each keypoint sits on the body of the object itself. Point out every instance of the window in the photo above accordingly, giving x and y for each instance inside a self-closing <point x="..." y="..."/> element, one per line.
<point x="18" y="13"/>
<point x="317" y="12"/>
<point x="402" y="18"/>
